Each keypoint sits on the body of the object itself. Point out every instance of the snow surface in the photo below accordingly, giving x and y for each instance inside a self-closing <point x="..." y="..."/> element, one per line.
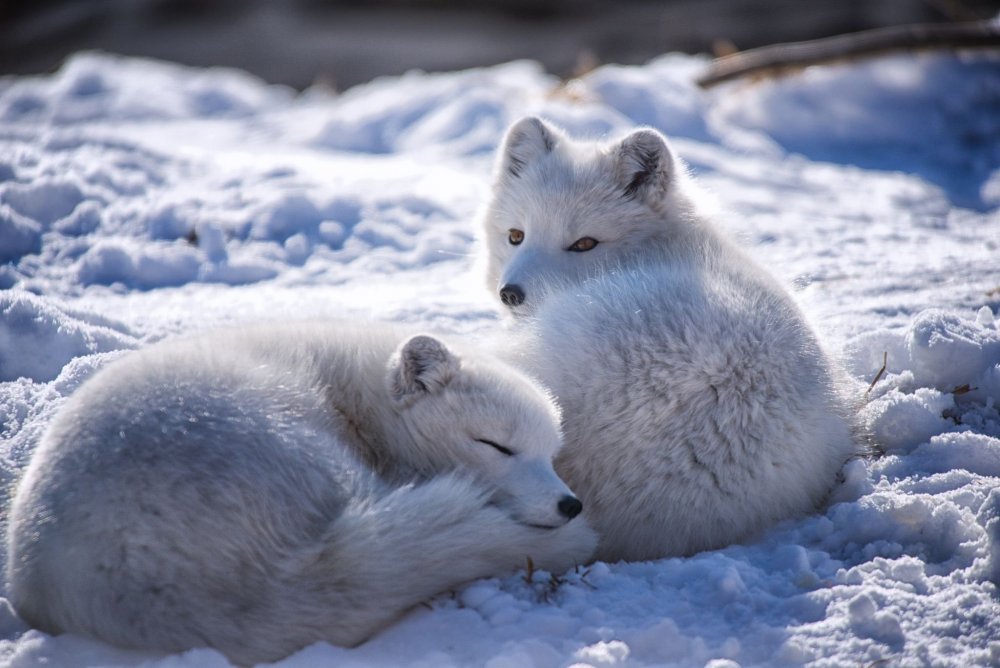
<point x="140" y="200"/>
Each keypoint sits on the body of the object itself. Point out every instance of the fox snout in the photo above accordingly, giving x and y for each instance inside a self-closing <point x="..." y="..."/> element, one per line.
<point x="569" y="506"/>
<point x="512" y="294"/>
<point x="538" y="515"/>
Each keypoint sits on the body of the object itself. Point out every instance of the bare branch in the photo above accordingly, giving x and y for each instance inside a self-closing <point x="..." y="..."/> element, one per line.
<point x="780" y="59"/>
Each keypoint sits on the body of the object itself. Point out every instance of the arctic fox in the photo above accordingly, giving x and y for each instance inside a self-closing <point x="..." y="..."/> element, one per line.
<point x="259" y="491"/>
<point x="698" y="406"/>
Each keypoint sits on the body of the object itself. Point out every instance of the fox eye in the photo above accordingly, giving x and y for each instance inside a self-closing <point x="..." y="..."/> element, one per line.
<point x="496" y="446"/>
<point x="583" y="244"/>
<point x="515" y="236"/>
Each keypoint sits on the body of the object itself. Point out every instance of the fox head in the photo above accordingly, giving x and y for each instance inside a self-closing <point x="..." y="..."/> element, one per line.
<point x="485" y="420"/>
<point x="562" y="211"/>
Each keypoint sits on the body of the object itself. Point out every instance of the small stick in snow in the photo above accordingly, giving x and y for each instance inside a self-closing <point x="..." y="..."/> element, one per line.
<point x="885" y="360"/>
<point x="529" y="570"/>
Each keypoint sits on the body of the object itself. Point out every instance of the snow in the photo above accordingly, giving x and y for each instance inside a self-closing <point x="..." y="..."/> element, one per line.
<point x="140" y="200"/>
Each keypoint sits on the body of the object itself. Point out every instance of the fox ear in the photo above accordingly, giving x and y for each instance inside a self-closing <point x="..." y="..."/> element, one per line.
<point x="527" y="140"/>
<point x="645" y="164"/>
<point x="422" y="365"/>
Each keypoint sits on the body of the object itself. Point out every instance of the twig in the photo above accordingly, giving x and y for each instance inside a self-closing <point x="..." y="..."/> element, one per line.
<point x="885" y="360"/>
<point x="529" y="571"/>
<point x="778" y="59"/>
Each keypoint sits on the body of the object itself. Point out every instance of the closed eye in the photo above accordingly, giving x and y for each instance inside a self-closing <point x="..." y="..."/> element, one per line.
<point x="496" y="446"/>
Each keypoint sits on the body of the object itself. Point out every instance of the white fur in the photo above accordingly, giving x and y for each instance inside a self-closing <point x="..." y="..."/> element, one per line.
<point x="698" y="406"/>
<point x="259" y="491"/>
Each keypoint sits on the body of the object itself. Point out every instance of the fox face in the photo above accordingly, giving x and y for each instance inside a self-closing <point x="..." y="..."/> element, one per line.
<point x="563" y="211"/>
<point x="483" y="421"/>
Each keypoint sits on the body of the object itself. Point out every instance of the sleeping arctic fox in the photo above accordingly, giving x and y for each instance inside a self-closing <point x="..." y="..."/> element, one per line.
<point x="698" y="407"/>
<point x="251" y="491"/>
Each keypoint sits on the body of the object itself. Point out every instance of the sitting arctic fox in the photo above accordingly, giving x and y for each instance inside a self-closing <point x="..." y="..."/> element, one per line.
<point x="259" y="491"/>
<point x="698" y="407"/>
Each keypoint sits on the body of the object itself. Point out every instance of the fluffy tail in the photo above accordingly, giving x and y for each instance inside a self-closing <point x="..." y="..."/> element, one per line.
<point x="384" y="556"/>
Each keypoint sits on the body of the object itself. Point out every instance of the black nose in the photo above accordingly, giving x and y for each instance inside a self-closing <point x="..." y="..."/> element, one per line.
<point x="511" y="295"/>
<point x="570" y="506"/>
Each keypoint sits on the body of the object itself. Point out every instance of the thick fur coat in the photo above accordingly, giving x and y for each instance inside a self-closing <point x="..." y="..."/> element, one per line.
<point x="262" y="490"/>
<point x="698" y="406"/>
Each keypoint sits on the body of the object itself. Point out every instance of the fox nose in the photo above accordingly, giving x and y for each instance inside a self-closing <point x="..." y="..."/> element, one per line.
<point x="512" y="295"/>
<point x="569" y="506"/>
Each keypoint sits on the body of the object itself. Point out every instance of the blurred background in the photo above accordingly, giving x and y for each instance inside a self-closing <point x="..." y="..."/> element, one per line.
<point x="341" y="43"/>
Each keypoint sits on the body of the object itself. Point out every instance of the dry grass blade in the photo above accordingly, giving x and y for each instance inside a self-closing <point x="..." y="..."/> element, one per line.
<point x="529" y="570"/>
<point x="878" y="376"/>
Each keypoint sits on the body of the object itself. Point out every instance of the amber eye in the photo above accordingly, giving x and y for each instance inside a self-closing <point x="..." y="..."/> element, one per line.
<point x="515" y="237"/>
<point x="582" y="245"/>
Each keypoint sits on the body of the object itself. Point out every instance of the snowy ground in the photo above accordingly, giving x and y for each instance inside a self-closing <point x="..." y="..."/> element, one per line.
<point x="139" y="200"/>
